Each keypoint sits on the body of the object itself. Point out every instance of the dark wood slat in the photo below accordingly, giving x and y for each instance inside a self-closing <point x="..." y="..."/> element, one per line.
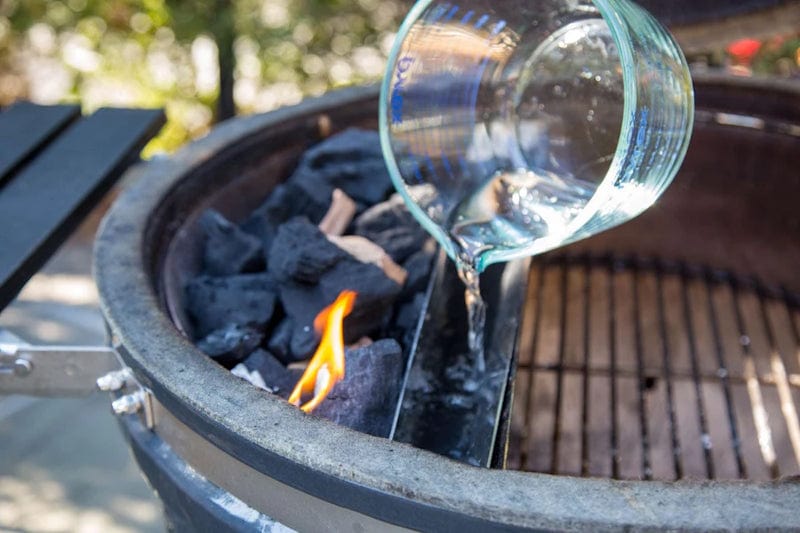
<point x="26" y="128"/>
<point x="48" y="198"/>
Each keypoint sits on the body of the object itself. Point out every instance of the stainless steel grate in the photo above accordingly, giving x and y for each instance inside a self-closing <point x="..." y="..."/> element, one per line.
<point x="644" y="369"/>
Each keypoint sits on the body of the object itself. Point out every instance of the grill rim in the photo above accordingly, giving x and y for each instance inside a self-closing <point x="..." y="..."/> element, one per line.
<point x="281" y="442"/>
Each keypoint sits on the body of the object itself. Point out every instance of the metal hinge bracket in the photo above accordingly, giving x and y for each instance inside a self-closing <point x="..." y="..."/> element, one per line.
<point x="53" y="370"/>
<point x="131" y="396"/>
<point x="59" y="371"/>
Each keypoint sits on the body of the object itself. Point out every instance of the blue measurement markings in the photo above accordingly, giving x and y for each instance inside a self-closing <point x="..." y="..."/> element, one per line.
<point x="437" y="12"/>
<point x="446" y="12"/>
<point x="451" y="13"/>
<point x="481" y="21"/>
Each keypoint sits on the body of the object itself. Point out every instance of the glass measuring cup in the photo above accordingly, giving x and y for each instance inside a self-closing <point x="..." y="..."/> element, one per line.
<point x="512" y="127"/>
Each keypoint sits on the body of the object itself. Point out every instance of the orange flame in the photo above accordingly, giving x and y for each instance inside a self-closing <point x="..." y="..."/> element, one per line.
<point x="329" y="354"/>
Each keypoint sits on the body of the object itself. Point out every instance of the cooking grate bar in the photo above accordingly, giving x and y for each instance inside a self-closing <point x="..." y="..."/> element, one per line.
<point x="525" y="445"/>
<point x="647" y="471"/>
<point x="587" y="291"/>
<point x="790" y="303"/>
<point x="562" y="339"/>
<point x="612" y="346"/>
<point x="725" y="378"/>
<point x="668" y="377"/>
<point x="781" y="381"/>
<point x="760" y="416"/>
<point x="793" y="380"/>
<point x="705" y="435"/>
<point x="645" y="369"/>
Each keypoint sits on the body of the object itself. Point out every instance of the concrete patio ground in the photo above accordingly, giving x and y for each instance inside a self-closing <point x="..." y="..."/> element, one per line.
<point x="64" y="465"/>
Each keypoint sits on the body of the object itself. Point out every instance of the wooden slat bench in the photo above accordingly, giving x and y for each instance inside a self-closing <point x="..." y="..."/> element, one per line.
<point x="55" y="166"/>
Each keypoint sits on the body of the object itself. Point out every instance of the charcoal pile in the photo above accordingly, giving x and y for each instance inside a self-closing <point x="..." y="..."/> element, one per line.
<point x="334" y="225"/>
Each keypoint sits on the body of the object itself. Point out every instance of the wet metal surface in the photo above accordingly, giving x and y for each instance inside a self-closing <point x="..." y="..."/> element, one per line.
<point x="447" y="406"/>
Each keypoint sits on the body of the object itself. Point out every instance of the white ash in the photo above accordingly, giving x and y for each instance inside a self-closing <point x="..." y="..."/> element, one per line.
<point x="253" y="376"/>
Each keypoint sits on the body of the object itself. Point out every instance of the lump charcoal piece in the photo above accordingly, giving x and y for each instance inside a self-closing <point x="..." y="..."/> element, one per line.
<point x="304" y="342"/>
<point x="277" y="377"/>
<point x="391" y="226"/>
<point x="280" y="340"/>
<point x="301" y="303"/>
<point x="230" y="345"/>
<point x="348" y="145"/>
<point x="407" y="319"/>
<point x="385" y="215"/>
<point x="418" y="266"/>
<point x="352" y="161"/>
<point x="366" y="398"/>
<point x="228" y="250"/>
<point x="366" y="182"/>
<point x="301" y="252"/>
<point x="245" y="300"/>
<point x="408" y="315"/>
<point x="376" y="296"/>
<point x="287" y="201"/>
<point x="400" y="242"/>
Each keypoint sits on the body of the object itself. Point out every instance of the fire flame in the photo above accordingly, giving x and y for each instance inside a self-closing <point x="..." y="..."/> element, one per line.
<point x="329" y="355"/>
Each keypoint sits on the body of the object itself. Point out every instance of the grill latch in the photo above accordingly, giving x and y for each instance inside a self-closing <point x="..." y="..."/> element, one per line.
<point x="62" y="371"/>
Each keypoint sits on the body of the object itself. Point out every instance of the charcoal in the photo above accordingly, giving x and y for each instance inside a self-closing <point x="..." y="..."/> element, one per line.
<point x="391" y="226"/>
<point x="231" y="344"/>
<point x="280" y="340"/>
<point x="365" y="400"/>
<point x="418" y="267"/>
<point x="304" y="343"/>
<point x="216" y="302"/>
<point x="287" y="201"/>
<point x="290" y="344"/>
<point x="301" y="252"/>
<point x="376" y="295"/>
<point x="383" y="216"/>
<point x="351" y="161"/>
<point x="348" y="145"/>
<point x="301" y="303"/>
<point x="400" y="242"/>
<point x="366" y="182"/>
<point x="408" y="314"/>
<point x="228" y="250"/>
<point x="276" y="376"/>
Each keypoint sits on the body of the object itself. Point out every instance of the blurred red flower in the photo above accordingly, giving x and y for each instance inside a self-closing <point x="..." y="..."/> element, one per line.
<point x="744" y="50"/>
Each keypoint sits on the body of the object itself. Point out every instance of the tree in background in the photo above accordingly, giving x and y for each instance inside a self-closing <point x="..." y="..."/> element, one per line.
<point x="201" y="59"/>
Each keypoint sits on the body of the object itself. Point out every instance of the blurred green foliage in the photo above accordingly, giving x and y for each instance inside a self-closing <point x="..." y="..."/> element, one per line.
<point x="779" y="56"/>
<point x="163" y="53"/>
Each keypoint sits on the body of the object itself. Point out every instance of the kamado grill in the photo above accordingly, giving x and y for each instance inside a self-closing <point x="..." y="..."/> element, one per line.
<point x="656" y="372"/>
